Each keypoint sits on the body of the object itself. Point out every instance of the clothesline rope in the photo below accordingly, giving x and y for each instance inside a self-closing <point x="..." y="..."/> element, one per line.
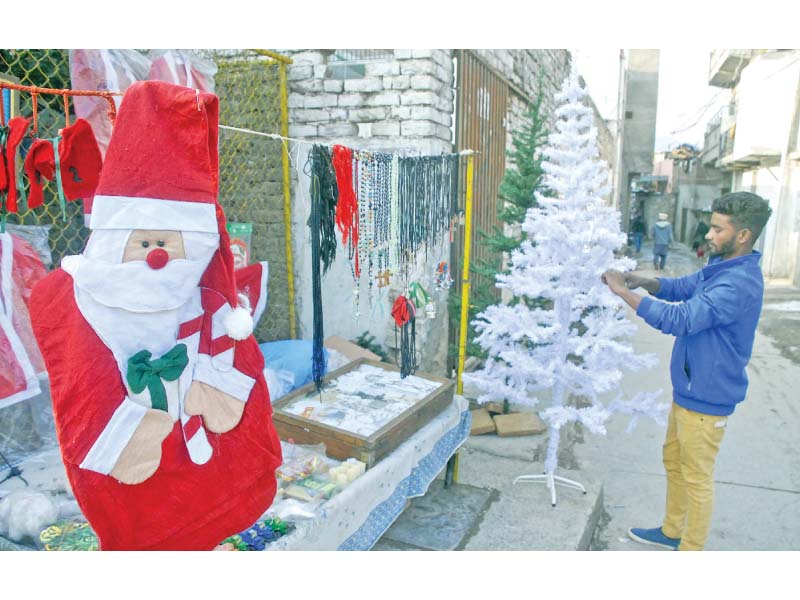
<point x="275" y="136"/>
<point x="65" y="93"/>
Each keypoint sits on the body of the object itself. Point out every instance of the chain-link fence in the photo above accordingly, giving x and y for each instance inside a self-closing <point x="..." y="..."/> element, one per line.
<point x="249" y="84"/>
<point x="50" y="69"/>
<point x="251" y="170"/>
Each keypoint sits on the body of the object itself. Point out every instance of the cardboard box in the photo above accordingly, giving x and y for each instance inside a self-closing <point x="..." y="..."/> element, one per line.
<point x="519" y="424"/>
<point x="482" y="422"/>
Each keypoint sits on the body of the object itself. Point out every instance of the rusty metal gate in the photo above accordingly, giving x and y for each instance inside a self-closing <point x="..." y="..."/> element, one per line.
<point x="481" y="107"/>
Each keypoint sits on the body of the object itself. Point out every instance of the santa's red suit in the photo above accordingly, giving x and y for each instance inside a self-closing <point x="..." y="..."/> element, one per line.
<point x="103" y="315"/>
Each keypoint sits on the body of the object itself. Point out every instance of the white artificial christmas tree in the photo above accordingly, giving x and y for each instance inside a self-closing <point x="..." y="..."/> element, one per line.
<point x="572" y="341"/>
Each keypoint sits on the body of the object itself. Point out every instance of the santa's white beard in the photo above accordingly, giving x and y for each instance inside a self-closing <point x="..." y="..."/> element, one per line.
<point x="131" y="306"/>
<point x="136" y="287"/>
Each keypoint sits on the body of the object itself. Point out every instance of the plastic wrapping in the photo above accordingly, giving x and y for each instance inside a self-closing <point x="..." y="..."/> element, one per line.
<point x="46" y="502"/>
<point x="21" y="363"/>
<point x="103" y="70"/>
<point x="183" y="68"/>
<point x="115" y="70"/>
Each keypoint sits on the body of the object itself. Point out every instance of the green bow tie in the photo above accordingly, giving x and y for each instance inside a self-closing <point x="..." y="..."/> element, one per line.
<point x="145" y="373"/>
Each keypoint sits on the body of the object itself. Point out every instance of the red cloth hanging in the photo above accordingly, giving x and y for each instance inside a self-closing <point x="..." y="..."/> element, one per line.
<point x="400" y="311"/>
<point x="347" y="205"/>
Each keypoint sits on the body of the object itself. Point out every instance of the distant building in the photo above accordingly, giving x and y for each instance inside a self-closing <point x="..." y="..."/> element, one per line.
<point x="754" y="143"/>
<point x="638" y="126"/>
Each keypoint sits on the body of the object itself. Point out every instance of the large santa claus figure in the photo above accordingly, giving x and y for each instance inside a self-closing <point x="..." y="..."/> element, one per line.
<point x="161" y="408"/>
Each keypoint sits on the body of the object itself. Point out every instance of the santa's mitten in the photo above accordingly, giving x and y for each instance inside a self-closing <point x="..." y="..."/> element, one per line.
<point x="221" y="412"/>
<point x="40" y="165"/>
<point x="16" y="132"/>
<point x="142" y="455"/>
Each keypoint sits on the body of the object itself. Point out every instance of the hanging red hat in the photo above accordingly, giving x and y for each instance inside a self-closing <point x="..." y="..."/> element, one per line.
<point x="79" y="158"/>
<point x="161" y="172"/>
<point x="16" y="132"/>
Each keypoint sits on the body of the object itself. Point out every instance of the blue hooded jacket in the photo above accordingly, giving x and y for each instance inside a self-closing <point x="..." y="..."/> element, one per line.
<point x="714" y="322"/>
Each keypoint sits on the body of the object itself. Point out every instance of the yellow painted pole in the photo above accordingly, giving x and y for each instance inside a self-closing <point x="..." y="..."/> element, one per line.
<point x="465" y="284"/>
<point x="287" y="198"/>
<point x="273" y="55"/>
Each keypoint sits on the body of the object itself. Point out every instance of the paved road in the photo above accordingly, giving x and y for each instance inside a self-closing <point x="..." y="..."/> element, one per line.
<point x="757" y="503"/>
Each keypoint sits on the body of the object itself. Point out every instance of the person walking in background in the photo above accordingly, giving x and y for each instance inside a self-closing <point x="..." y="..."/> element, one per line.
<point x="698" y="245"/>
<point x="638" y="229"/>
<point x="713" y="314"/>
<point x="661" y="233"/>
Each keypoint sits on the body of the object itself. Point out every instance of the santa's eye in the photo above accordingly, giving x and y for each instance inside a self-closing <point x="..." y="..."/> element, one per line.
<point x="161" y="243"/>
<point x="145" y="244"/>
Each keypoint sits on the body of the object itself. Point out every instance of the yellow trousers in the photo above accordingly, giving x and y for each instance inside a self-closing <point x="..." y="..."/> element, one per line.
<point x="690" y="451"/>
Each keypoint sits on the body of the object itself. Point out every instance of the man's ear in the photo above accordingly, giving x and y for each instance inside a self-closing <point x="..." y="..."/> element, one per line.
<point x="745" y="236"/>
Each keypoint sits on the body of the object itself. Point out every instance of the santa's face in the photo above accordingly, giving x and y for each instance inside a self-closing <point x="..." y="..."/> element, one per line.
<point x="154" y="247"/>
<point x="143" y="271"/>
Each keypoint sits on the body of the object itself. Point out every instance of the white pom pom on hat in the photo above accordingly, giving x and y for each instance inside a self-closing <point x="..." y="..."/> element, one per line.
<point x="238" y="323"/>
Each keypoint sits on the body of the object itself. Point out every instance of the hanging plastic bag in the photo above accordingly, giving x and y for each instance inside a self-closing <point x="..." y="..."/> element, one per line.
<point x="183" y="68"/>
<point x="103" y="70"/>
<point x="20" y="360"/>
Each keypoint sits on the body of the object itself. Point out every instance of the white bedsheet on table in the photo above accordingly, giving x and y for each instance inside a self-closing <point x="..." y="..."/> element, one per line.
<point x="358" y="516"/>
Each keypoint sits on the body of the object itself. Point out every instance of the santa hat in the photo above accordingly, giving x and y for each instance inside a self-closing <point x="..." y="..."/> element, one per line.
<point x="16" y="132"/>
<point x="79" y="158"/>
<point x="161" y="172"/>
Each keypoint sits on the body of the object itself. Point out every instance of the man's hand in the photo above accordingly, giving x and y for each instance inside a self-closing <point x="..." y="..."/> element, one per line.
<point x="142" y="455"/>
<point x="221" y="412"/>
<point x="614" y="280"/>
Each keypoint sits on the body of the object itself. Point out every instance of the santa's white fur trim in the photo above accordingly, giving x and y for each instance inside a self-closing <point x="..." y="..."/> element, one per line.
<point x="238" y="323"/>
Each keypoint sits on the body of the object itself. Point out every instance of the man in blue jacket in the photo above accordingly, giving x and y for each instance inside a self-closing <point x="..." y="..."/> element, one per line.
<point x="713" y="315"/>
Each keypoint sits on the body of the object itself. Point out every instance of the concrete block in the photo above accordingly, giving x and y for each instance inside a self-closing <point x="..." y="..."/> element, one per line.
<point x="419" y="128"/>
<point x="409" y="98"/>
<point x="401" y="112"/>
<point x="321" y="100"/>
<point x="379" y="69"/>
<point x="368" y="84"/>
<point x="306" y="85"/>
<point x="495" y="408"/>
<point x="319" y="71"/>
<point x="388" y="128"/>
<point x="444" y="74"/>
<point x="311" y="115"/>
<point x="402" y="54"/>
<point x="519" y="424"/>
<point x="302" y="131"/>
<point x="312" y="57"/>
<point x="296" y="101"/>
<point x="428" y="113"/>
<point x="482" y="422"/>
<point x="338" y="129"/>
<point x="425" y="82"/>
<point x="297" y="72"/>
<point x="351" y="99"/>
<point x="397" y="82"/>
<point x="383" y="99"/>
<point x="338" y="114"/>
<point x="422" y="53"/>
<point x="417" y="67"/>
<point x="334" y="86"/>
<point x="368" y="114"/>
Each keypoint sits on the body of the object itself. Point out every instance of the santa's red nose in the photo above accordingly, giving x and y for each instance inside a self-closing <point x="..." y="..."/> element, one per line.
<point x="157" y="258"/>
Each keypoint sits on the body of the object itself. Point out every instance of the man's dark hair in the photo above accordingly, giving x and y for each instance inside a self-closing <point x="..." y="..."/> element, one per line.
<point x="746" y="211"/>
